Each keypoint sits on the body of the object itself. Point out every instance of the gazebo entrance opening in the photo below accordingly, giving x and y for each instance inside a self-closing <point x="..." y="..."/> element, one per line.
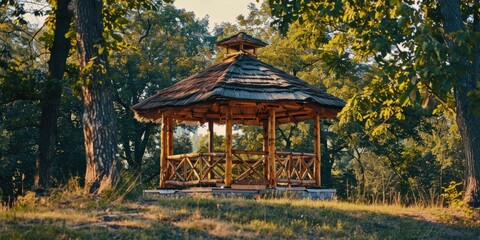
<point x="239" y="90"/>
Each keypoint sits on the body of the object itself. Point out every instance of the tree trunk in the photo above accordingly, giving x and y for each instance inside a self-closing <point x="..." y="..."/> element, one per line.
<point x="142" y="134"/>
<point x="467" y="120"/>
<point x="361" y="192"/>
<point x="98" y="116"/>
<point x="52" y="94"/>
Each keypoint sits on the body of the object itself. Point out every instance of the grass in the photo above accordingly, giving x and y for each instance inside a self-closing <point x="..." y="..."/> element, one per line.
<point x="194" y="218"/>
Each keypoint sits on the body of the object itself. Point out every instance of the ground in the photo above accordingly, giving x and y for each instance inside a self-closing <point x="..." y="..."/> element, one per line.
<point x="78" y="217"/>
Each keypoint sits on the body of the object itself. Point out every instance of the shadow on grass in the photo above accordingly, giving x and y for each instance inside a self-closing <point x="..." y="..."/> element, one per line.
<point x="193" y="218"/>
<point x="315" y="220"/>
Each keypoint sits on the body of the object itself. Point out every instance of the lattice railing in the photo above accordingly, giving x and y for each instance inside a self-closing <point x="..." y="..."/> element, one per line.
<point x="195" y="169"/>
<point x="248" y="167"/>
<point x="295" y="168"/>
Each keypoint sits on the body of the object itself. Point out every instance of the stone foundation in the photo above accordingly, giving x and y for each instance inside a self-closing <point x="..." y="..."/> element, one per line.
<point x="213" y="192"/>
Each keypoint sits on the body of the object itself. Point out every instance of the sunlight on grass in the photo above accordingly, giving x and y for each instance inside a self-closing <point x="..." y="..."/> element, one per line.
<point x="213" y="227"/>
<point x="196" y="218"/>
<point x="131" y="224"/>
<point x="261" y="227"/>
<point x="58" y="215"/>
<point x="155" y="213"/>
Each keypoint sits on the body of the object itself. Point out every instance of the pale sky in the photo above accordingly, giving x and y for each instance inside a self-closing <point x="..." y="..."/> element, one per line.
<point x="218" y="10"/>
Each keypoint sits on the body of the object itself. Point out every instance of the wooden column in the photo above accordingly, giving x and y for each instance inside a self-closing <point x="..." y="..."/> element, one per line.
<point x="210" y="136"/>
<point x="211" y="149"/>
<point x="163" y="151"/>
<point x="271" y="148"/>
<point x="265" y="148"/>
<point x="170" y="136"/>
<point x="228" y="147"/>
<point x="317" y="150"/>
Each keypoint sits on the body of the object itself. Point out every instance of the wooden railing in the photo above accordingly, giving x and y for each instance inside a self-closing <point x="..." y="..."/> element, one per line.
<point x="294" y="168"/>
<point x="248" y="167"/>
<point x="195" y="169"/>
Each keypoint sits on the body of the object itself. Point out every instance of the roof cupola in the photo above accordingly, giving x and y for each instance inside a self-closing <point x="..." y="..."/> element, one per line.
<point x="241" y="43"/>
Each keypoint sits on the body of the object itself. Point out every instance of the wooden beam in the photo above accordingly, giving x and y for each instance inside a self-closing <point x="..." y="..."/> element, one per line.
<point x="163" y="151"/>
<point x="317" y="150"/>
<point x="228" y="146"/>
<point x="271" y="148"/>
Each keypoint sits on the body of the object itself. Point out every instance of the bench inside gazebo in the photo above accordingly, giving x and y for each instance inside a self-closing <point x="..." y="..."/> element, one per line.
<point x="239" y="90"/>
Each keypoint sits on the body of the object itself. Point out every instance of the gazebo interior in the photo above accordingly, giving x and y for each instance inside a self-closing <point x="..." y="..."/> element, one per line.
<point x="239" y="90"/>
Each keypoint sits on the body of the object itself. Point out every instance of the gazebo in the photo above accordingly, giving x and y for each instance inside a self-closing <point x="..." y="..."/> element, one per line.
<point x="239" y="90"/>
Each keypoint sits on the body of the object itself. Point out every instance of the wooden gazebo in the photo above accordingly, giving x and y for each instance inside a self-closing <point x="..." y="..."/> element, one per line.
<point x="239" y="90"/>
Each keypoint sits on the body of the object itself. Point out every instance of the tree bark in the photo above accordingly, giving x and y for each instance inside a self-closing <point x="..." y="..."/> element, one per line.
<point x="144" y="131"/>
<point x="98" y="116"/>
<point x="467" y="120"/>
<point x="52" y="96"/>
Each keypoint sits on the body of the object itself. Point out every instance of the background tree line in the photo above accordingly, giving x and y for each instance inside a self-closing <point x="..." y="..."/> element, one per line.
<point x="408" y="156"/>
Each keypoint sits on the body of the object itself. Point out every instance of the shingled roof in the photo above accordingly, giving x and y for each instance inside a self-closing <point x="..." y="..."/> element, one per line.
<point x="241" y="78"/>
<point x="239" y="38"/>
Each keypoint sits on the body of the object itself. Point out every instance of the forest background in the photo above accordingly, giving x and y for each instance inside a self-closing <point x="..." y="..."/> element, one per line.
<point x="412" y="156"/>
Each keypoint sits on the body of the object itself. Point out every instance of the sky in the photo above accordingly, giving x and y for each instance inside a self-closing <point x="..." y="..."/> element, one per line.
<point x="217" y="10"/>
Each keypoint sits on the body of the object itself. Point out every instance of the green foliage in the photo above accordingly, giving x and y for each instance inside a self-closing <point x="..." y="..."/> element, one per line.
<point x="405" y="45"/>
<point x="218" y="143"/>
<point x="400" y="64"/>
<point x="250" y="138"/>
<point x="28" y="200"/>
<point x="128" y="188"/>
<point x="165" y="46"/>
<point x="452" y="194"/>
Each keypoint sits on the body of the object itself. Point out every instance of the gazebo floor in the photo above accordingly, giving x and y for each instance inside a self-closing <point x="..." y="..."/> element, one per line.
<point x="248" y="192"/>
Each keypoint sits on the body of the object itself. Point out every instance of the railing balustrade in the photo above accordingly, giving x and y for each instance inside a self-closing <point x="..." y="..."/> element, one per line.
<point x="294" y="168"/>
<point x="248" y="167"/>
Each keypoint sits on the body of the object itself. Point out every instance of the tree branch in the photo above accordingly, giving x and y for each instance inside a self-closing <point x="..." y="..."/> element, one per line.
<point x="149" y="26"/>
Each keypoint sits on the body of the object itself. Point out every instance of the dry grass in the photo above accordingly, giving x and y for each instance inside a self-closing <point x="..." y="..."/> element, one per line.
<point x="191" y="218"/>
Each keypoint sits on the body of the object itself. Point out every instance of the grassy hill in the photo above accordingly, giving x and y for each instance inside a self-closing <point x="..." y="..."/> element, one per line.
<point x="192" y="218"/>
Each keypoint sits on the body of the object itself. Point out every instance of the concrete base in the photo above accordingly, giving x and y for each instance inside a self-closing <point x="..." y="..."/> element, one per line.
<point x="211" y="192"/>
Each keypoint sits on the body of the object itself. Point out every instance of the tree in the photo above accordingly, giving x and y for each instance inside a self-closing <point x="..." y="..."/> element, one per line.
<point x="426" y="47"/>
<point x="167" y="45"/>
<point x="52" y="94"/>
<point x="98" y="116"/>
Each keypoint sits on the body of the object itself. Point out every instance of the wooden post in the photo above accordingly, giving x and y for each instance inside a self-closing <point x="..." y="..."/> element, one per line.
<point x="170" y="136"/>
<point x="317" y="150"/>
<point x="228" y="147"/>
<point x="265" y="148"/>
<point x="271" y="148"/>
<point x="210" y="136"/>
<point x="211" y="148"/>
<point x="163" y="151"/>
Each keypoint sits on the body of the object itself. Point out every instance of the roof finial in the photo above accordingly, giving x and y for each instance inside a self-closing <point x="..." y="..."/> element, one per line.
<point x="241" y="43"/>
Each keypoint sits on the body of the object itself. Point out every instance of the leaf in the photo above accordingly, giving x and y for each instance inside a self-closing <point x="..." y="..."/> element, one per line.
<point x="70" y="33"/>
<point x="414" y="79"/>
<point x="425" y="99"/>
<point x="117" y="37"/>
<point x="413" y="95"/>
<point x="122" y="20"/>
